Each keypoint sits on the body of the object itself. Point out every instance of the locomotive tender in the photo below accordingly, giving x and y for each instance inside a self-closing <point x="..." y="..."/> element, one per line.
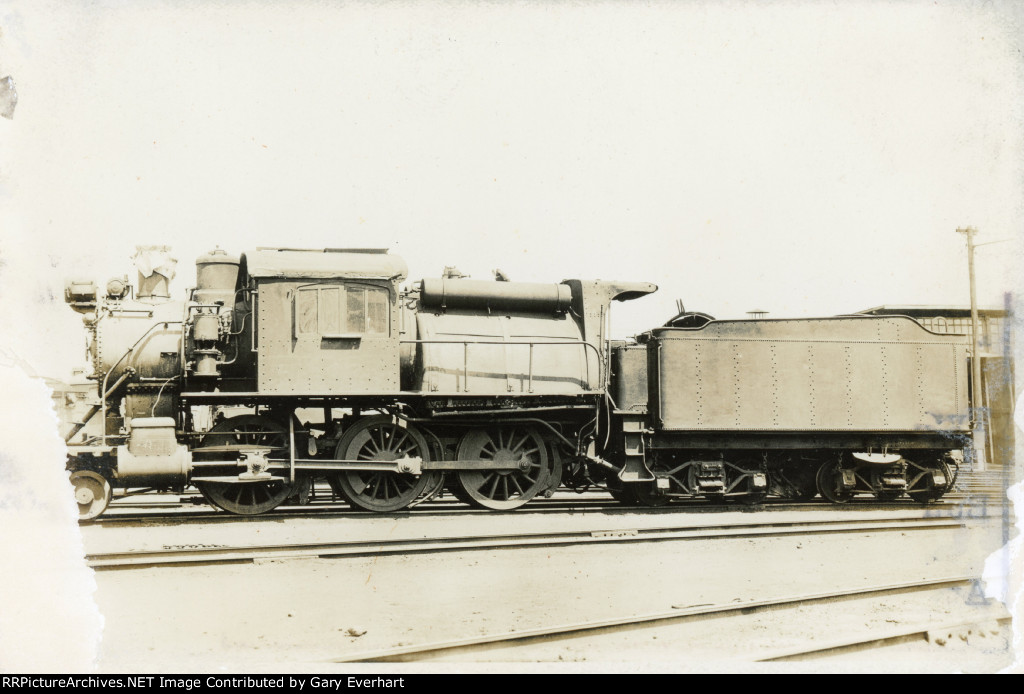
<point x="319" y="365"/>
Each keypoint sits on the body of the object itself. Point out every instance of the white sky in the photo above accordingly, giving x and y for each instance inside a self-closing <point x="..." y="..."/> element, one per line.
<point x="801" y="158"/>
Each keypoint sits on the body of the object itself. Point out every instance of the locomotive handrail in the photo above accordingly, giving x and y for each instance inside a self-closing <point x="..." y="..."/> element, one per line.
<point x="147" y="311"/>
<point x="78" y="426"/>
<point x="103" y="436"/>
<point x="465" y="353"/>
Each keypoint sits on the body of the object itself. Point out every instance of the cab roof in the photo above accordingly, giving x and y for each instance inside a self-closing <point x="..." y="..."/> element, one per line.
<point x="324" y="263"/>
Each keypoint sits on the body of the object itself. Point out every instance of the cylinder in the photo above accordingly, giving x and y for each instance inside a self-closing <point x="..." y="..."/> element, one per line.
<point x="152" y="436"/>
<point x="495" y="296"/>
<point x="153" y="457"/>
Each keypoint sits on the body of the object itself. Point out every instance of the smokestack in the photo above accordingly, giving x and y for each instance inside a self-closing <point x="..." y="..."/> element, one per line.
<point x="156" y="270"/>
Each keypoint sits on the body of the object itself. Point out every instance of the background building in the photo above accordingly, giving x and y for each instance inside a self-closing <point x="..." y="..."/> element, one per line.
<point x="997" y="392"/>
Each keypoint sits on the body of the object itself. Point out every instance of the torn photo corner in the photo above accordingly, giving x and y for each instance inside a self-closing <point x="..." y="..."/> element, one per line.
<point x="8" y="97"/>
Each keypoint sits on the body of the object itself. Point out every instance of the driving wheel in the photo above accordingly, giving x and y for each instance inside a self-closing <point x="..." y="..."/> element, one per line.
<point x="380" y="438"/>
<point x="509" y="488"/>
<point x="238" y="434"/>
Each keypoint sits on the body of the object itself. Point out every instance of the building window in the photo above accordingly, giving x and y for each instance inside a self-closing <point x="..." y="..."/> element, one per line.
<point x="352" y="309"/>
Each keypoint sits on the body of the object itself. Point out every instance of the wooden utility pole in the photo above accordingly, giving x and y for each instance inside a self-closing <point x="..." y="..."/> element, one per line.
<point x="976" y="387"/>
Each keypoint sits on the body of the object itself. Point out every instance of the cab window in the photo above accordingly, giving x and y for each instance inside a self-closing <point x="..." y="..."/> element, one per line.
<point x="341" y="310"/>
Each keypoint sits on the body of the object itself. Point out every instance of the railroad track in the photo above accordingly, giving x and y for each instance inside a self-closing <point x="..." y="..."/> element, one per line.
<point x="183" y="512"/>
<point x="219" y="554"/>
<point x="938" y="633"/>
<point x="683" y="614"/>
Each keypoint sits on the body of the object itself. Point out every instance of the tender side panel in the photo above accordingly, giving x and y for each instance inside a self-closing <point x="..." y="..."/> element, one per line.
<point x="797" y="376"/>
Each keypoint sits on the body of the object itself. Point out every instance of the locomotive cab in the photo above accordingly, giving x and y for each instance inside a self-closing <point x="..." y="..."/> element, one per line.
<point x="325" y="321"/>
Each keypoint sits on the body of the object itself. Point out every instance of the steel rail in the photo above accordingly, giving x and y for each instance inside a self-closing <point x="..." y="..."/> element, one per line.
<point x="677" y="615"/>
<point x="888" y="637"/>
<point x="126" y="511"/>
<point x="213" y="554"/>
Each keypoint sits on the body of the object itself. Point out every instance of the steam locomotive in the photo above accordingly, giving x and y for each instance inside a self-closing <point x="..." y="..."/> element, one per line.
<point x="286" y="365"/>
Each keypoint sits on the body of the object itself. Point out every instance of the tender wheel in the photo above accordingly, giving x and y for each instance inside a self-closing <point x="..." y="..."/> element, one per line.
<point x="92" y="493"/>
<point x="246" y="498"/>
<point x="927" y="496"/>
<point x="752" y="497"/>
<point x="504" y="490"/>
<point x="379" y="438"/>
<point x="828" y="483"/>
